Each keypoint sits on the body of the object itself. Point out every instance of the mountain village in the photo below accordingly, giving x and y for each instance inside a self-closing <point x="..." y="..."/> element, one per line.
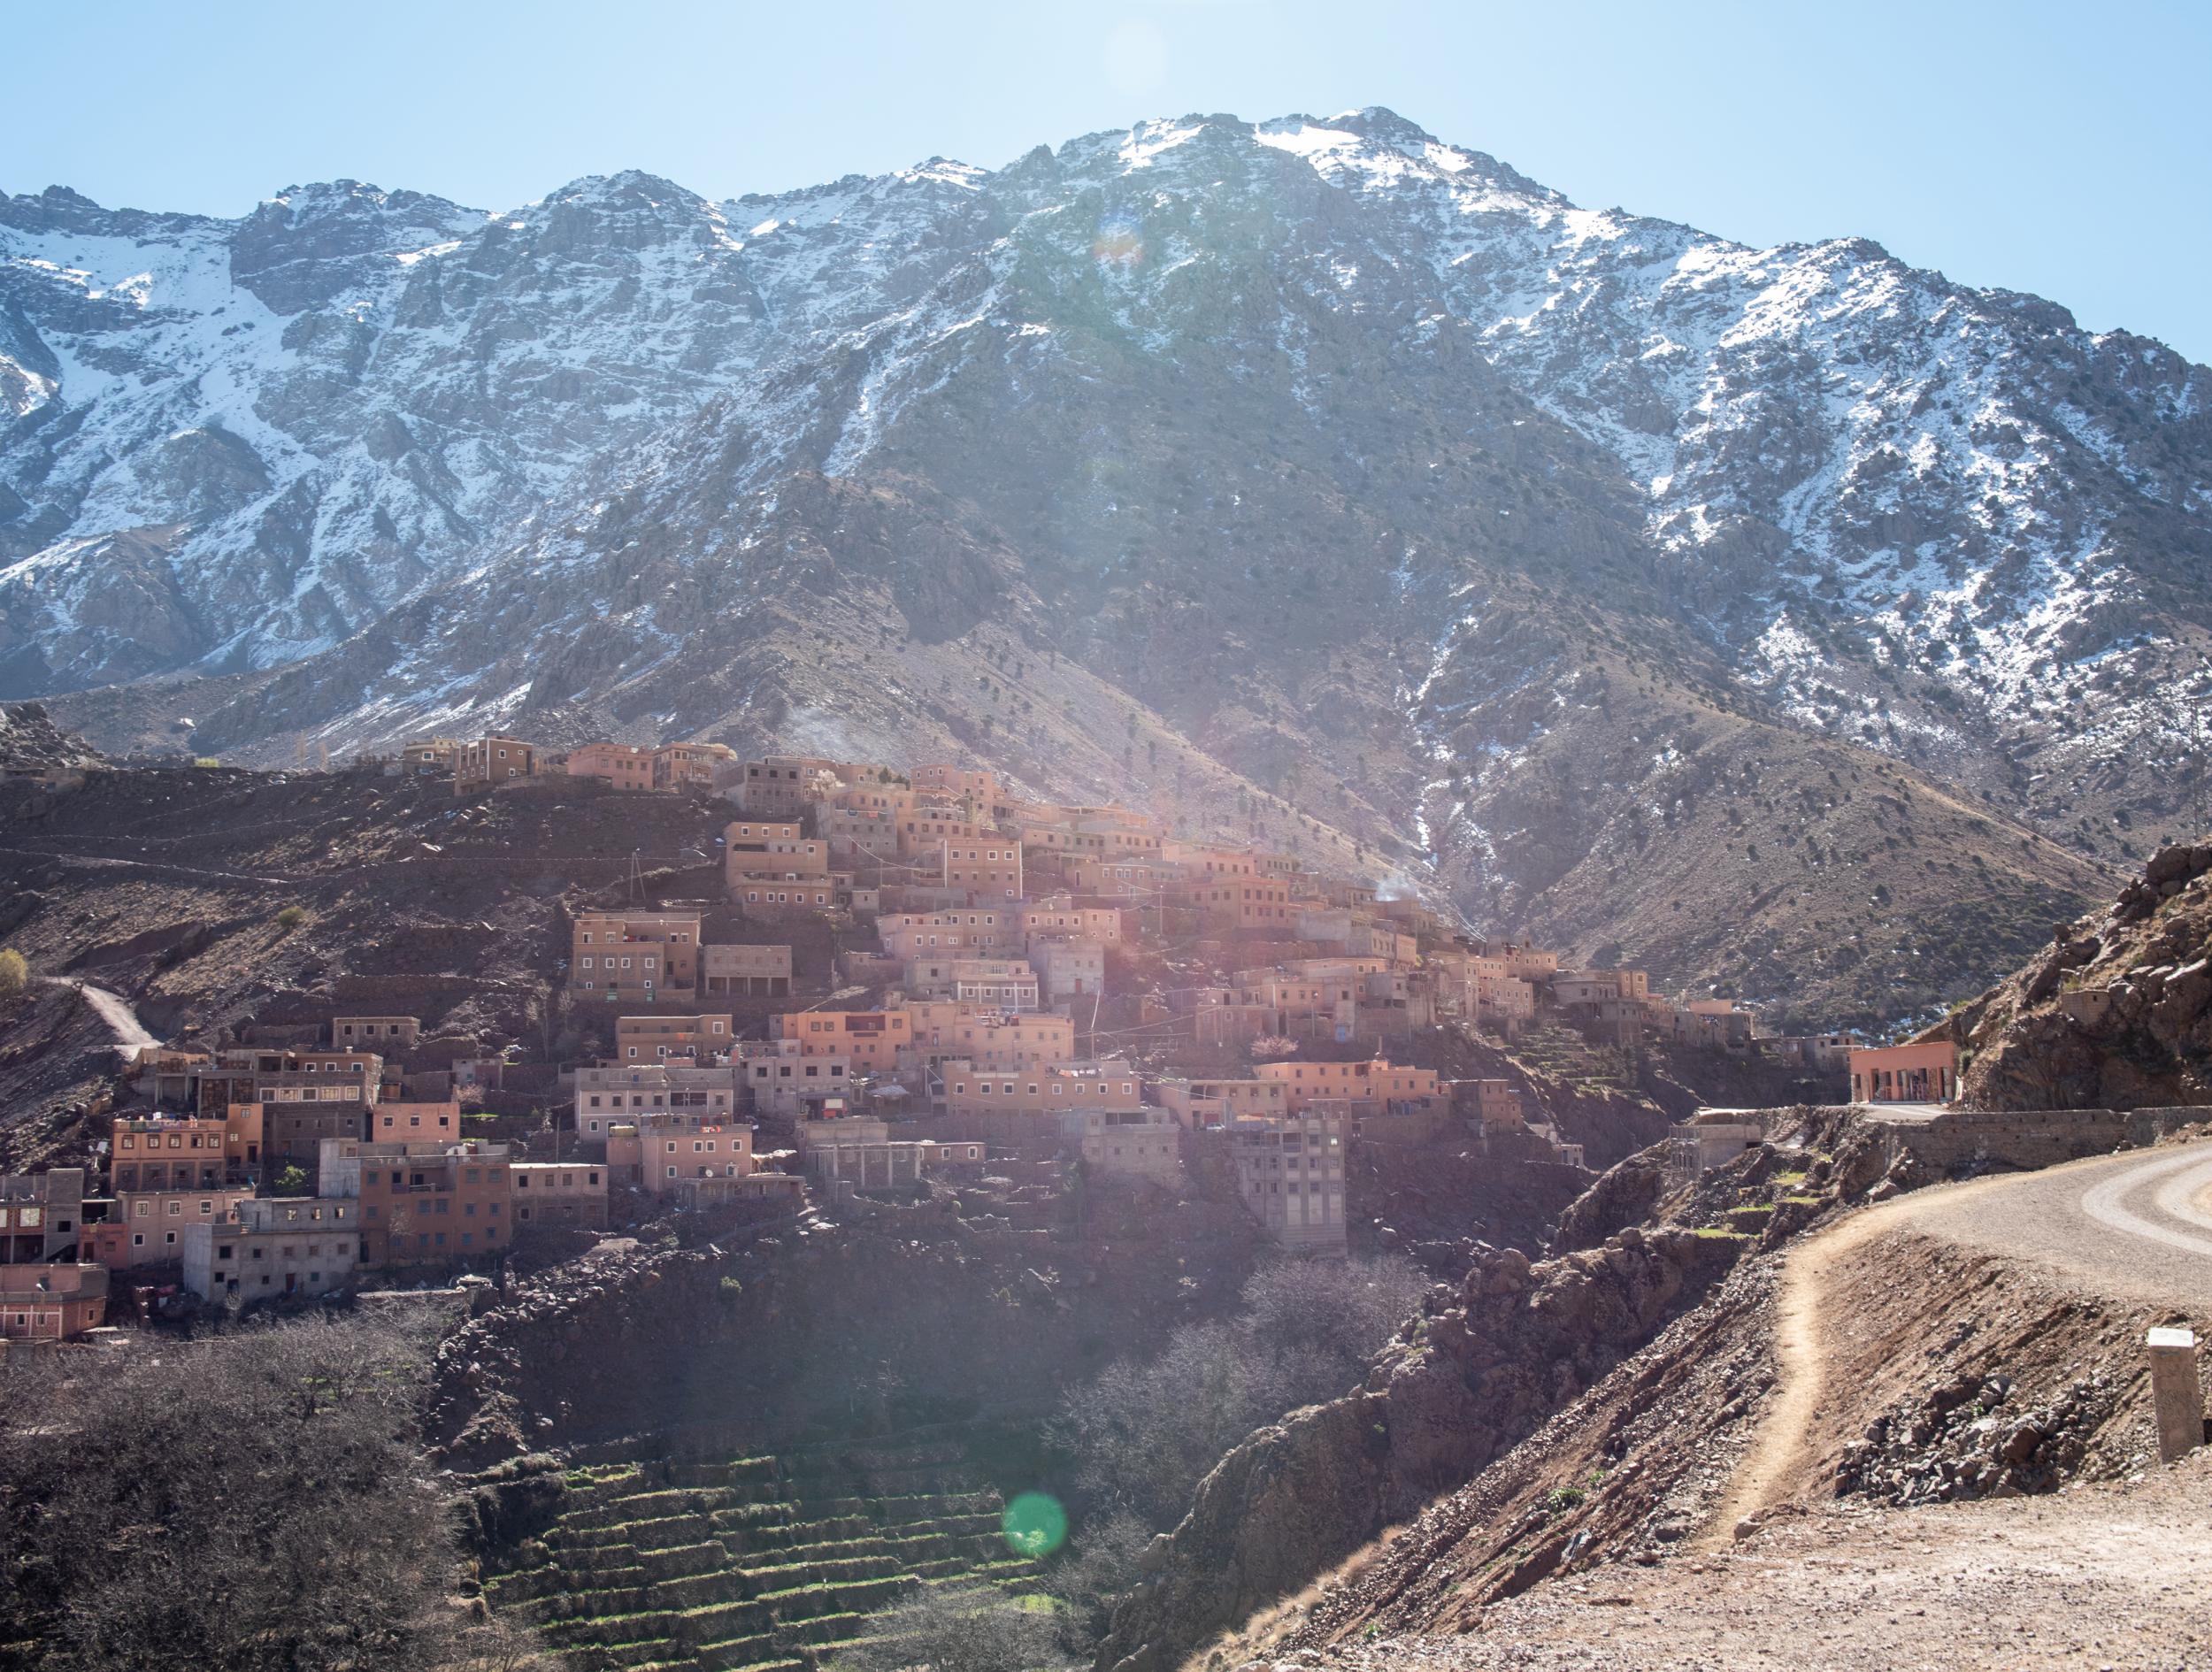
<point x="911" y="975"/>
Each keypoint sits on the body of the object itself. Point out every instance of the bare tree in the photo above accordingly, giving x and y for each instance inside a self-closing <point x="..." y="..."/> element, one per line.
<point x="249" y="1503"/>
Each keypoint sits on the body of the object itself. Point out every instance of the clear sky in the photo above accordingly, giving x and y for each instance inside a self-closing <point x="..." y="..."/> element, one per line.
<point x="2060" y="149"/>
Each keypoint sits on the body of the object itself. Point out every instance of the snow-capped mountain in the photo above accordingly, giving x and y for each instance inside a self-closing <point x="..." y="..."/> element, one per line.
<point x="1320" y="452"/>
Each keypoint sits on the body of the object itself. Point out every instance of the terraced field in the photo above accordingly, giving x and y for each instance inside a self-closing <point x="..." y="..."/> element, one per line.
<point x="764" y="1564"/>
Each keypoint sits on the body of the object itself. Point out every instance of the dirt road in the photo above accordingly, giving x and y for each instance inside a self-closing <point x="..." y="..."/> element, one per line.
<point x="114" y="1009"/>
<point x="2136" y="1225"/>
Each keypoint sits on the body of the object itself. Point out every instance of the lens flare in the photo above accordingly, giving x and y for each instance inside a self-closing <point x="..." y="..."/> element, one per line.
<point x="1034" y="1524"/>
<point x="1120" y="243"/>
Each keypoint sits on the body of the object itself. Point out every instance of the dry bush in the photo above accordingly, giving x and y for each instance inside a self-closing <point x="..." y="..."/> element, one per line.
<point x="250" y="1503"/>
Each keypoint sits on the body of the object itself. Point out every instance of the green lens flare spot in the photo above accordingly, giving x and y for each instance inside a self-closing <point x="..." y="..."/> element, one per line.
<point x="1034" y="1524"/>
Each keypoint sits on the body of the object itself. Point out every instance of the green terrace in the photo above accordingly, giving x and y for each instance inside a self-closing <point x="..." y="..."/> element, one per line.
<point x="755" y="1563"/>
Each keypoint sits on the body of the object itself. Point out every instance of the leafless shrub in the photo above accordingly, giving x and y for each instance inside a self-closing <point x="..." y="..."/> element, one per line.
<point x="251" y="1503"/>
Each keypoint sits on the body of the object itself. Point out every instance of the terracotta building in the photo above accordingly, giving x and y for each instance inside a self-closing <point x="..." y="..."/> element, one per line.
<point x="870" y="1040"/>
<point x="169" y="1152"/>
<point x="985" y="868"/>
<point x="656" y="1154"/>
<point x="492" y="760"/>
<point x="618" y="1092"/>
<point x="1375" y="1082"/>
<point x="438" y="1206"/>
<point x="625" y="765"/>
<point x="42" y="1216"/>
<point x="51" y="1301"/>
<point x="1923" y="1073"/>
<point x="1216" y="1102"/>
<point x="652" y="955"/>
<point x="559" y="1194"/>
<point x="146" y="1227"/>
<point x="991" y="1039"/>
<point x="979" y="931"/>
<point x="745" y="971"/>
<point x="659" y="1038"/>
<point x="394" y="1122"/>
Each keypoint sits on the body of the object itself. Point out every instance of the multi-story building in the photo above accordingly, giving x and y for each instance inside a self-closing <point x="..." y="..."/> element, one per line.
<point x="1290" y="1176"/>
<point x="51" y="1301"/>
<point x="970" y="1090"/>
<point x="1067" y="968"/>
<point x="393" y="1122"/>
<point x="754" y="848"/>
<point x="783" y="786"/>
<point x="985" y="868"/>
<point x="976" y="932"/>
<point x="657" y="1153"/>
<point x="276" y="1246"/>
<point x="147" y="1227"/>
<point x="492" y="760"/>
<point x="652" y="955"/>
<point x="1004" y="984"/>
<point x="622" y="1091"/>
<point x="785" y="1082"/>
<point x="1133" y="1144"/>
<point x="870" y="1040"/>
<point x="747" y="971"/>
<point x="559" y="1194"/>
<point x="691" y="765"/>
<point x="978" y="788"/>
<point x="172" y="1151"/>
<point x="1216" y="1102"/>
<point x="1376" y="1082"/>
<point x="428" y="757"/>
<point x="993" y="1038"/>
<point x="661" y="1039"/>
<point x="436" y="1205"/>
<point x="1059" y="919"/>
<point x="256" y="1074"/>
<point x="42" y="1216"/>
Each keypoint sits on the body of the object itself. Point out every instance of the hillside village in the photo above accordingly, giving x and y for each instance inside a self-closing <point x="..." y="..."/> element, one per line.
<point x="905" y="978"/>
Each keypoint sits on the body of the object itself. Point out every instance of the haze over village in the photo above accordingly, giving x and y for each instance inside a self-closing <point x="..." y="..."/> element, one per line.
<point x="1218" y="893"/>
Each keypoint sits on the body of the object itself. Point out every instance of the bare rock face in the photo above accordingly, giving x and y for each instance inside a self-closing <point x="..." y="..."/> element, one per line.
<point x="2116" y="1013"/>
<point x="1463" y="1384"/>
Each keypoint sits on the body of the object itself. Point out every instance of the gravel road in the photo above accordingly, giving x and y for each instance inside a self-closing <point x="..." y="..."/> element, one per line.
<point x="2136" y="1224"/>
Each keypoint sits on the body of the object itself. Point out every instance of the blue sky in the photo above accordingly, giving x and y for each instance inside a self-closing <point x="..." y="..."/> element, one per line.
<point x="2063" y="149"/>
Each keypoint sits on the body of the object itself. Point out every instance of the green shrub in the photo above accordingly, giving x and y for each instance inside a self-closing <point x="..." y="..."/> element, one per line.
<point x="291" y="917"/>
<point x="15" y="973"/>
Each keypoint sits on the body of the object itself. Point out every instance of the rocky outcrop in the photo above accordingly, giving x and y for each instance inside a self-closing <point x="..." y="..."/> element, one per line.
<point x="1624" y="1194"/>
<point x="2116" y="1011"/>
<point x="1481" y="1368"/>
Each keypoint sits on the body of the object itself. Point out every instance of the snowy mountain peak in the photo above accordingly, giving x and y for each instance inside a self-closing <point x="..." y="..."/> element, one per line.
<point x="1895" y="510"/>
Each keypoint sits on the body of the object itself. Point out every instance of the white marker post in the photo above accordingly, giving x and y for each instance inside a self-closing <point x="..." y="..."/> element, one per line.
<point x="2176" y="1400"/>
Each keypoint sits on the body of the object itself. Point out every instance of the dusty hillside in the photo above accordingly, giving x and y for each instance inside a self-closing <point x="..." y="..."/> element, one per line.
<point x="2117" y="1011"/>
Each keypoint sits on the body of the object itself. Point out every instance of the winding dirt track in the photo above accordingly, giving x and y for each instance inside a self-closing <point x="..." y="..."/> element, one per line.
<point x="2097" y="1577"/>
<point x="2138" y="1224"/>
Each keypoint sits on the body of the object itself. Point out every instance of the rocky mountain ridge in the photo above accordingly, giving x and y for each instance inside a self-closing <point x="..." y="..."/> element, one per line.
<point x="1304" y="477"/>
